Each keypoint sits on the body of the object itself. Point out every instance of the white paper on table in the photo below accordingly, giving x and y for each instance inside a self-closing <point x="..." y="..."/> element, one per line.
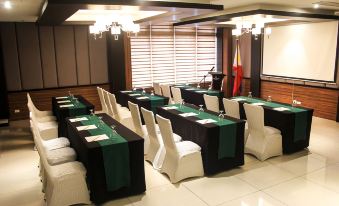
<point x="188" y="114"/>
<point x="142" y="97"/>
<point x="127" y="91"/>
<point x="239" y="99"/>
<point x="258" y="103"/>
<point x="280" y="109"/>
<point x="170" y="107"/>
<point x="190" y="89"/>
<point x="86" y="127"/>
<point x="96" y="138"/>
<point x="64" y="101"/>
<point x="66" y="105"/>
<point x="134" y="95"/>
<point x="61" y="97"/>
<point x="200" y="91"/>
<point x="206" y="121"/>
<point x="78" y="119"/>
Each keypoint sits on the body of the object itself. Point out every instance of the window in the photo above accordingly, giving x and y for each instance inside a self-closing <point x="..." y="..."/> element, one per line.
<point x="167" y="54"/>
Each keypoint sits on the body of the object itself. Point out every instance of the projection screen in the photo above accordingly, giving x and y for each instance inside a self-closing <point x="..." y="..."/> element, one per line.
<point x="303" y="51"/>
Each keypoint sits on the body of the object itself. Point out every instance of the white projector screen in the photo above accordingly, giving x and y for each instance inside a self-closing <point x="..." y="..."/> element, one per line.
<point x="303" y="51"/>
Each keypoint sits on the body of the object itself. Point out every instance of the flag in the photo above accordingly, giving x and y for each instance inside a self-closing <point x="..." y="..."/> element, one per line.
<point x="237" y="69"/>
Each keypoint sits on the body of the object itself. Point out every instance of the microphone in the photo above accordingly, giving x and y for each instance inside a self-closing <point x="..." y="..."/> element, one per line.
<point x="212" y="69"/>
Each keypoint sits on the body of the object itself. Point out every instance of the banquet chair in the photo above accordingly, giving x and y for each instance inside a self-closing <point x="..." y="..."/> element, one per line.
<point x="212" y="103"/>
<point x="176" y="95"/>
<point x="102" y="100"/>
<point x="166" y="91"/>
<point x="41" y="116"/>
<point x="109" y="109"/>
<point x="157" y="89"/>
<point x="121" y="115"/>
<point x="263" y="141"/>
<point x="65" y="184"/>
<point x="140" y="129"/>
<point x="232" y="109"/>
<point x="156" y="150"/>
<point x="182" y="159"/>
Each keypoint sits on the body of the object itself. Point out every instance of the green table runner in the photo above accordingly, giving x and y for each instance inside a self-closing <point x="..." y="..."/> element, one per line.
<point x="156" y="101"/>
<point x="199" y="90"/>
<point x="300" y="121"/>
<point x="227" y="133"/>
<point x="78" y="109"/>
<point x="115" y="153"/>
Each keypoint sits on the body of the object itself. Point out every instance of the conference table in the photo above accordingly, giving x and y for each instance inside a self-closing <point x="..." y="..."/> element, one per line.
<point x="293" y="122"/>
<point x="114" y="160"/>
<point x="67" y="106"/>
<point x="194" y="95"/>
<point x="221" y="140"/>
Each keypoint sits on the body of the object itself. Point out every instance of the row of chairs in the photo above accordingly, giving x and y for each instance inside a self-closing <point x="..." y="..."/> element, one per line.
<point x="63" y="178"/>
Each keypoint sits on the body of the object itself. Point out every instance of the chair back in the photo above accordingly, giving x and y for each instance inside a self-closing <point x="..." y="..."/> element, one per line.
<point x="157" y="89"/>
<point x="165" y="89"/>
<point x="150" y="124"/>
<point x="166" y="131"/>
<point x="107" y="100"/>
<point x="102" y="100"/>
<point x="134" y="108"/>
<point x="114" y="106"/>
<point x="231" y="108"/>
<point x="255" y="119"/>
<point x="212" y="103"/>
<point x="31" y="105"/>
<point x="176" y="95"/>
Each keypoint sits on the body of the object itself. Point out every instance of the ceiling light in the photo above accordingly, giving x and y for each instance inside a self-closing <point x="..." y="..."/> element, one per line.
<point x="7" y="4"/>
<point x="316" y="6"/>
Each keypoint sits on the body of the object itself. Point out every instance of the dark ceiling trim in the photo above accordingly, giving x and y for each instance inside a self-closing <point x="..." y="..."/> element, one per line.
<point x="226" y="17"/>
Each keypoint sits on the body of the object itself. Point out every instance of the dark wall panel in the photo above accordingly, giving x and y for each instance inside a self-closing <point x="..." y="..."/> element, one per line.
<point x="10" y="55"/>
<point x="82" y="56"/>
<point x="29" y="56"/>
<point x="98" y="60"/>
<point x="48" y="57"/>
<point x="65" y="55"/>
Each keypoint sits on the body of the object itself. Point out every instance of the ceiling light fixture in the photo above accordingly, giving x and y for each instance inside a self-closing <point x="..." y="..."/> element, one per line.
<point x="114" y="23"/>
<point x="254" y="26"/>
<point x="7" y="5"/>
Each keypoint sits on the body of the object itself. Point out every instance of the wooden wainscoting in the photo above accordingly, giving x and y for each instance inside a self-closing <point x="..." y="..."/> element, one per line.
<point x="324" y="101"/>
<point x="42" y="99"/>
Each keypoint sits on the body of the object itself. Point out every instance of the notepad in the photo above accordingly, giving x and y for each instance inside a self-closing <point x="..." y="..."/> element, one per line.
<point x="142" y="97"/>
<point x="87" y="127"/>
<point x="64" y="101"/>
<point x="66" y="105"/>
<point x="239" y="99"/>
<point x="127" y="91"/>
<point x="170" y="107"/>
<point x="96" y="138"/>
<point x="280" y="109"/>
<point x="206" y="121"/>
<point x="134" y="95"/>
<point x="78" y="119"/>
<point x="200" y="91"/>
<point x="61" y="97"/>
<point x="190" y="89"/>
<point x="188" y="114"/>
<point x="258" y="103"/>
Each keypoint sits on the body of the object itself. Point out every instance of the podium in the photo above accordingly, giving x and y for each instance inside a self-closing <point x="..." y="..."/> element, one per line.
<point x="217" y="78"/>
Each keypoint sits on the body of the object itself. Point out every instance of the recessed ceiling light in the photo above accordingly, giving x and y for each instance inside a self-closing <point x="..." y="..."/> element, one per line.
<point x="316" y="6"/>
<point x="7" y="5"/>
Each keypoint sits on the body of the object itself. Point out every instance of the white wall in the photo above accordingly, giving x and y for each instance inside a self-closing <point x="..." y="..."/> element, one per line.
<point x="306" y="51"/>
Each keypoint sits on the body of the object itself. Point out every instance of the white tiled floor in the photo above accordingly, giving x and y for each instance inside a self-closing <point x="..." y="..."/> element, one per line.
<point x="306" y="178"/>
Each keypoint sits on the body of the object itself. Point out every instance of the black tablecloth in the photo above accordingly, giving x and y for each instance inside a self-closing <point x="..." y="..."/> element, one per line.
<point x="284" y="121"/>
<point x="90" y="154"/>
<point x="197" y="99"/>
<point x="62" y="113"/>
<point x="207" y="137"/>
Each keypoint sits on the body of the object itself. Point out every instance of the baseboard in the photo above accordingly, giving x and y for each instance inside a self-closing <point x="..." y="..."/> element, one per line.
<point x="4" y="122"/>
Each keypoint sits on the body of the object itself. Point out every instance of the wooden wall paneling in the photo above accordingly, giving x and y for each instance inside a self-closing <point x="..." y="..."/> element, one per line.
<point x="43" y="99"/>
<point x="48" y="61"/>
<point x="323" y="101"/>
<point x="245" y="86"/>
<point x="256" y="61"/>
<point x="227" y="62"/>
<point x="65" y="56"/>
<point x="10" y="55"/>
<point x="3" y="90"/>
<point x="128" y="65"/>
<point x="98" y="59"/>
<point x="29" y="56"/>
<point x="82" y="54"/>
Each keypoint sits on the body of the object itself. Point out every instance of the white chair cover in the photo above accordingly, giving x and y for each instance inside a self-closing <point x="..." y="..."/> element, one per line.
<point x="263" y="141"/>
<point x="56" y="143"/>
<point x="157" y="89"/>
<point x="40" y="116"/>
<point x="212" y="103"/>
<point x="165" y="89"/>
<point x="176" y="95"/>
<point x="121" y="115"/>
<point x="183" y="159"/>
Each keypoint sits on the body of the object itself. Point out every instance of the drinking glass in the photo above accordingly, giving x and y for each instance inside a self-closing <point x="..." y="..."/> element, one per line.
<point x="198" y="86"/>
<point x="143" y="92"/>
<point x="186" y="83"/>
<point x="269" y="98"/>
<point x="92" y="112"/>
<point x="134" y="89"/>
<point x="69" y="94"/>
<point x="201" y="109"/>
<point x="113" y="128"/>
<point x="182" y="103"/>
<point x="152" y="93"/>
<point x="221" y="115"/>
<point x="210" y="87"/>
<point x="249" y="95"/>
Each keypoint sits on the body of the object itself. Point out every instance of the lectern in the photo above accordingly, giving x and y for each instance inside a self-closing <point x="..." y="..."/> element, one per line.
<point x="217" y="78"/>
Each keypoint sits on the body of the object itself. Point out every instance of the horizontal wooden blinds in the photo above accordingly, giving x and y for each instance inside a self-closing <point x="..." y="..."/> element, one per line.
<point x="167" y="54"/>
